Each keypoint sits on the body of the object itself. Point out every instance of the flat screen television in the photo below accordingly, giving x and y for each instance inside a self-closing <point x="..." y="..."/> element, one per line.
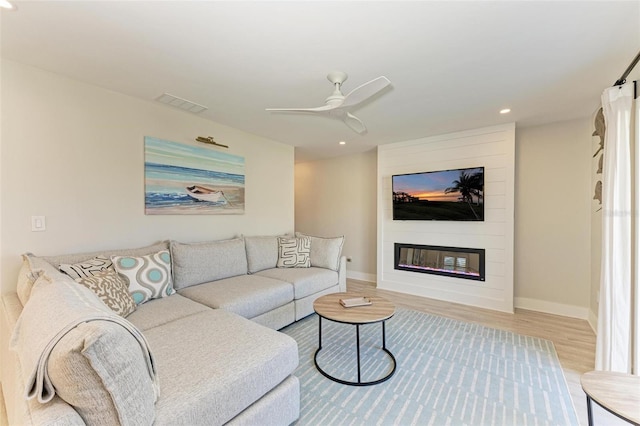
<point x="456" y="195"/>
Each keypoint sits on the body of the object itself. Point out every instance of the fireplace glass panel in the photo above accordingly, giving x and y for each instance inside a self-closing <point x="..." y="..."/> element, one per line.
<point x="451" y="261"/>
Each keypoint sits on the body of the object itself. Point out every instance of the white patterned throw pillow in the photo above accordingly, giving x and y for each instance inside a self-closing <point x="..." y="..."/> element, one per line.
<point x="148" y="277"/>
<point x="111" y="289"/>
<point x="87" y="268"/>
<point x="294" y="252"/>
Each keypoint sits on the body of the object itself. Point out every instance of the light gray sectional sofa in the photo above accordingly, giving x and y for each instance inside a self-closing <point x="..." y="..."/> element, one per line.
<point x="206" y="354"/>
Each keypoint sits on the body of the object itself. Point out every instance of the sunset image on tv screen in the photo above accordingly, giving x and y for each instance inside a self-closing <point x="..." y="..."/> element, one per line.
<point x="441" y="195"/>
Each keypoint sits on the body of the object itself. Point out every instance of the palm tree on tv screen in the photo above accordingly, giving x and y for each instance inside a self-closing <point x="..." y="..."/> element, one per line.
<point x="468" y="185"/>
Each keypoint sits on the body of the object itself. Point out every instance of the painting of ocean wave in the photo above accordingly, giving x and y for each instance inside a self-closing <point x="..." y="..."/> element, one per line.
<point x="187" y="179"/>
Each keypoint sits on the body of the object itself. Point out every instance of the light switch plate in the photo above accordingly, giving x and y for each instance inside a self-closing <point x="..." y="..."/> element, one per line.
<point x="38" y="223"/>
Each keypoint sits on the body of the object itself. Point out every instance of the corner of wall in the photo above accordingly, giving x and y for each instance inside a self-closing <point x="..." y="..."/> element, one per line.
<point x="554" y="308"/>
<point x="593" y="321"/>
<point x="361" y="276"/>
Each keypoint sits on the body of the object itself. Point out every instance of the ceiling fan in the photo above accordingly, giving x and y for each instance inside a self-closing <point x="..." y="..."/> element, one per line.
<point x="337" y="104"/>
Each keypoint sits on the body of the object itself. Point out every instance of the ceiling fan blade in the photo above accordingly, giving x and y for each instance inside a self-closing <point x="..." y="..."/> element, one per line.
<point x="355" y="123"/>
<point x="316" y="109"/>
<point x="365" y="91"/>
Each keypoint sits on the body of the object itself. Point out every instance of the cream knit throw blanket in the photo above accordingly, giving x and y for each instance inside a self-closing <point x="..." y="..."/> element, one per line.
<point x="54" y="308"/>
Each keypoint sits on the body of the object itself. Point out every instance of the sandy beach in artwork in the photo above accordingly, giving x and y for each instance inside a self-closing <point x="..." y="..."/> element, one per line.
<point x="234" y="205"/>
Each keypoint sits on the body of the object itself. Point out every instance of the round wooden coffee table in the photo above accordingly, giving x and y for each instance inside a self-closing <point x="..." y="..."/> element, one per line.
<point x="380" y="310"/>
<point x="618" y="393"/>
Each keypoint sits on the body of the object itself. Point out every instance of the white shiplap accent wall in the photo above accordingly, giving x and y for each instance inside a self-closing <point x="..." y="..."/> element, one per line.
<point x="492" y="148"/>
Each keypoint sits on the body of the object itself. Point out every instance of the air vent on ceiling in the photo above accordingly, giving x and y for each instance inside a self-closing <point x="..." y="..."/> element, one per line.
<point x="180" y="103"/>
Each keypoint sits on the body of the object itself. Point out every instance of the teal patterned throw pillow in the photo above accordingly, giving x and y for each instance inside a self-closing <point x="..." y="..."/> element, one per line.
<point x="148" y="277"/>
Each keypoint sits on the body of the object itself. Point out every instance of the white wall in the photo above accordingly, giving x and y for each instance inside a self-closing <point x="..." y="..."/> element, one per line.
<point x="553" y="218"/>
<point x="491" y="148"/>
<point x="75" y="153"/>
<point x="338" y="197"/>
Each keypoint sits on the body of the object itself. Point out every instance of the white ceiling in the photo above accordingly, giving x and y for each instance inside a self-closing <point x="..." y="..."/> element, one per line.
<point x="452" y="64"/>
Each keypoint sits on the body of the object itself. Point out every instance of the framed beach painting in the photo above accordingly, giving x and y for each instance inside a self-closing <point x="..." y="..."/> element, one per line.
<point x="188" y="179"/>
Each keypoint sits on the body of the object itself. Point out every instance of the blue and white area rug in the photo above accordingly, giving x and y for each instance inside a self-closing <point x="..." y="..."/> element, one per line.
<point x="449" y="372"/>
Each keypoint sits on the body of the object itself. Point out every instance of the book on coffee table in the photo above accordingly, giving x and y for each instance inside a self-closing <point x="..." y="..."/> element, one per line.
<point x="355" y="301"/>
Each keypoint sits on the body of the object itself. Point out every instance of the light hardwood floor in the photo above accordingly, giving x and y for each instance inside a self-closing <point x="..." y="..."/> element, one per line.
<point x="573" y="339"/>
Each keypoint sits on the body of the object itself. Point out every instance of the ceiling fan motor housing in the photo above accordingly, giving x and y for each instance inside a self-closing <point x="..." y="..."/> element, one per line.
<point x="337" y="78"/>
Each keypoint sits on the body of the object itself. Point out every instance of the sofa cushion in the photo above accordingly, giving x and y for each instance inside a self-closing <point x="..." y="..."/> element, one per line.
<point x="293" y="252"/>
<point x="245" y="295"/>
<point x="157" y="312"/>
<point x="98" y="369"/>
<point x="225" y="367"/>
<point x="325" y="252"/>
<point x="199" y="263"/>
<point x="262" y="253"/>
<point x="148" y="277"/>
<point x="306" y="281"/>
<point x="87" y="268"/>
<point x="82" y="257"/>
<point x="281" y="406"/>
<point x="110" y="288"/>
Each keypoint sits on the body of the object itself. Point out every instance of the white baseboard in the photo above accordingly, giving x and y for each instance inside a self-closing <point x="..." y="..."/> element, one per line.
<point x="361" y="276"/>
<point x="551" y="307"/>
<point x="561" y="309"/>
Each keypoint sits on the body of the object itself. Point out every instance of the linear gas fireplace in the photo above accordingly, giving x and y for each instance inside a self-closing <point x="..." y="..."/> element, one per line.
<point x="467" y="263"/>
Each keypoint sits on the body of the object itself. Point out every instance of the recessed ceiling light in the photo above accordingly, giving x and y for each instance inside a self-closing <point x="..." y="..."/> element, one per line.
<point x="6" y="4"/>
<point x="342" y="143"/>
<point x="505" y="111"/>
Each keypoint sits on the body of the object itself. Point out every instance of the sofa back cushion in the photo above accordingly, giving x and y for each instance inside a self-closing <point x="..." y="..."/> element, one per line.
<point x="83" y="257"/>
<point x="33" y="266"/>
<point x="262" y="253"/>
<point x="199" y="263"/>
<point x="325" y="252"/>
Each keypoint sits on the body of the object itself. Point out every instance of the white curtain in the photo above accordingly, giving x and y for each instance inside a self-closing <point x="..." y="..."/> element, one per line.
<point x="618" y="332"/>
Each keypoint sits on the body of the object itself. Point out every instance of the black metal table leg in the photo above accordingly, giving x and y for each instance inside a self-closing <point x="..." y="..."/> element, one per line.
<point x="589" y="412"/>
<point x="359" y="382"/>
<point x="384" y="336"/>
<point x="358" y="349"/>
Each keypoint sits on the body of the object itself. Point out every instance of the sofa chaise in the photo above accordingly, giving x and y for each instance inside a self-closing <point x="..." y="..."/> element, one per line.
<point x="204" y="350"/>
